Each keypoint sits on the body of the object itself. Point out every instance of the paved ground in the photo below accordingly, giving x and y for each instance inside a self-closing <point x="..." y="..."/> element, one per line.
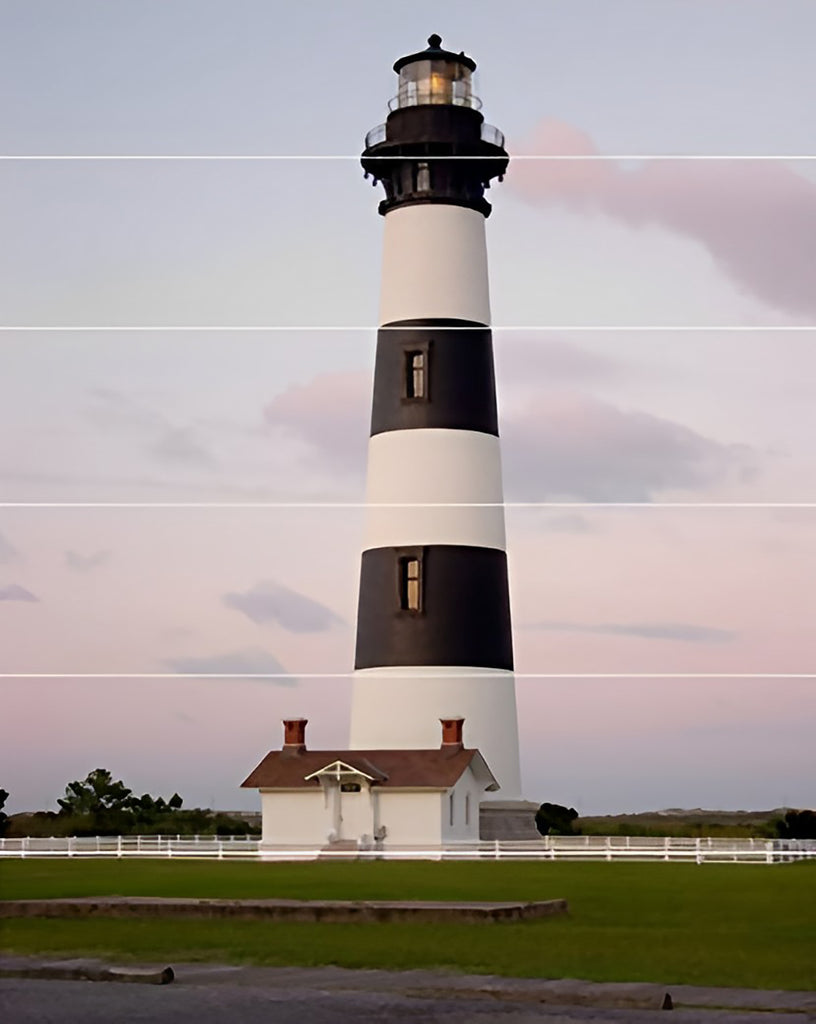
<point x="207" y="994"/>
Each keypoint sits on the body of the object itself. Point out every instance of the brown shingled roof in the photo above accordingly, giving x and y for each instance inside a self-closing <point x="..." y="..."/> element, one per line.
<point x="393" y="769"/>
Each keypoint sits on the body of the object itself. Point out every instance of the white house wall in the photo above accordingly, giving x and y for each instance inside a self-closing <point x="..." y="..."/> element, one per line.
<point x="465" y="827"/>
<point x="298" y="817"/>
<point x="411" y="819"/>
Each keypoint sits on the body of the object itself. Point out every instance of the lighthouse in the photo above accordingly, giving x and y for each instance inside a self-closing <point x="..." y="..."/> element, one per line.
<point x="434" y="634"/>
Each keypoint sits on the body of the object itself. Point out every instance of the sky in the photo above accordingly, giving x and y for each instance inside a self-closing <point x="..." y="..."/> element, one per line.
<point x="593" y="268"/>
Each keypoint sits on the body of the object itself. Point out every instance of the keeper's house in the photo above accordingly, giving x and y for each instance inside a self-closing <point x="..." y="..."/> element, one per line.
<point x="371" y="798"/>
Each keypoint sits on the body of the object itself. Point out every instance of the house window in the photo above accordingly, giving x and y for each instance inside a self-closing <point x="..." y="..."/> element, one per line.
<point x="450" y="809"/>
<point x="467" y="808"/>
<point x="349" y="787"/>
<point x="416" y="367"/>
<point x="410" y="584"/>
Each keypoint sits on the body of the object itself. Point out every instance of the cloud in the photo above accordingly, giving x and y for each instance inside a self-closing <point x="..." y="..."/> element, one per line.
<point x="115" y="410"/>
<point x="248" y="661"/>
<point x="563" y="444"/>
<point x="271" y="602"/>
<point x="14" y="592"/>
<point x="568" y="522"/>
<point x="86" y="563"/>
<point x="8" y="553"/>
<point x="181" y="445"/>
<point x="535" y="357"/>
<point x="331" y="413"/>
<point x="757" y="219"/>
<point x="568" y="445"/>
<point x="681" y="631"/>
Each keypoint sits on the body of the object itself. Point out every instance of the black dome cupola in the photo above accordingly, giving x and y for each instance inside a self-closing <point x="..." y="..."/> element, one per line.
<point x="435" y="117"/>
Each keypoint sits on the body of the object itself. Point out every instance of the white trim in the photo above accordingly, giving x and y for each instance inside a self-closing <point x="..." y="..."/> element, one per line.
<point x="337" y="769"/>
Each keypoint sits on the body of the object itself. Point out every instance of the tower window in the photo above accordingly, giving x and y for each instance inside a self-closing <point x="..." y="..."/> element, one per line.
<point x="409" y="584"/>
<point x="416" y="367"/>
<point x="423" y="178"/>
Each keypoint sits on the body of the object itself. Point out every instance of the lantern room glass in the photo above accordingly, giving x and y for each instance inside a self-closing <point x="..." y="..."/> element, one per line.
<point x="435" y="81"/>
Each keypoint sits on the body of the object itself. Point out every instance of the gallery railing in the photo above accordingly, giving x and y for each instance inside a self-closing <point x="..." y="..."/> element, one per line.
<point x="490" y="133"/>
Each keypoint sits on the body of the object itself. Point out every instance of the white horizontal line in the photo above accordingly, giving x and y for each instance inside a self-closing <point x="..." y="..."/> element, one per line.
<point x="357" y="156"/>
<point x="418" y="504"/>
<point x="406" y="675"/>
<point x="630" y="328"/>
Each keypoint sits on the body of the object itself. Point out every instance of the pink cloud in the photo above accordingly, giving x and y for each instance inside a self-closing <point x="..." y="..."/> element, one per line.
<point x="566" y="444"/>
<point x="331" y="413"/>
<point x="572" y="445"/>
<point x="757" y="219"/>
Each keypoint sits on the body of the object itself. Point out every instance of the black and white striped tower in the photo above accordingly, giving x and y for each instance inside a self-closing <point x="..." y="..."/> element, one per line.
<point x="433" y="630"/>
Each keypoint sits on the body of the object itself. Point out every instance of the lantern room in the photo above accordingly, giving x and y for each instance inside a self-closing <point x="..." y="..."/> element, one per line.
<point x="435" y="76"/>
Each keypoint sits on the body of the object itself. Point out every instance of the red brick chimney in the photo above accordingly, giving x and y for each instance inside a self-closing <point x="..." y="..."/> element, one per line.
<point x="452" y="731"/>
<point x="294" y="734"/>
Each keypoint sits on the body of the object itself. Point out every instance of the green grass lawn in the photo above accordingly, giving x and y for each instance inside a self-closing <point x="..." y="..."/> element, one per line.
<point x="748" y="925"/>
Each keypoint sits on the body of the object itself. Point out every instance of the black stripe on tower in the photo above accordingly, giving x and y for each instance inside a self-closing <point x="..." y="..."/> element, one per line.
<point x="434" y="373"/>
<point x="444" y="604"/>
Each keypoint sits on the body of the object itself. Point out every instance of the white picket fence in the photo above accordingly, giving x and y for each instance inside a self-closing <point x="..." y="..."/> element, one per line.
<point x="548" y="848"/>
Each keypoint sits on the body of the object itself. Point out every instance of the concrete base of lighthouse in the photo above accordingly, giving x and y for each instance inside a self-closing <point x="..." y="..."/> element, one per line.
<point x="508" y="821"/>
<point x="400" y="708"/>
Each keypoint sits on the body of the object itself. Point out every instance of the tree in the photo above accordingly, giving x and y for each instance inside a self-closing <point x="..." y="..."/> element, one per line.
<point x="97" y="794"/>
<point x="798" y="825"/>
<point x="4" y="818"/>
<point x="555" y="820"/>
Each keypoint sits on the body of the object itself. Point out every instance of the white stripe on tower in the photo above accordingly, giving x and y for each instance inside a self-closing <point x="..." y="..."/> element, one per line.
<point x="433" y="629"/>
<point x="434" y="260"/>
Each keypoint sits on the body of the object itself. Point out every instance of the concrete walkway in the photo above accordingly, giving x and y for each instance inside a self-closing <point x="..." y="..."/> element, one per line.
<point x="465" y="996"/>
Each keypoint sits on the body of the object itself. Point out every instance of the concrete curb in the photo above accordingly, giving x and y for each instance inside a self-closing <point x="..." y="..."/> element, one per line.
<point x="91" y="972"/>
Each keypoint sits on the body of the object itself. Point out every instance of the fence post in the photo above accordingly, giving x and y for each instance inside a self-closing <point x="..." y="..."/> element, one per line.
<point x="119" y="846"/>
<point x="496" y="851"/>
<point x="608" y="848"/>
<point x="666" y="852"/>
<point x="698" y="853"/>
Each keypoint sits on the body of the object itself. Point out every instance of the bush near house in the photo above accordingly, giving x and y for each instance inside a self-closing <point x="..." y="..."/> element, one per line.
<point x="4" y="818"/>
<point x="797" y="825"/>
<point x="555" y="820"/>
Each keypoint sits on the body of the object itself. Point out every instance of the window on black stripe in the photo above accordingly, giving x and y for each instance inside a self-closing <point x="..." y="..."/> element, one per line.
<point x="410" y="583"/>
<point x="415" y="370"/>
